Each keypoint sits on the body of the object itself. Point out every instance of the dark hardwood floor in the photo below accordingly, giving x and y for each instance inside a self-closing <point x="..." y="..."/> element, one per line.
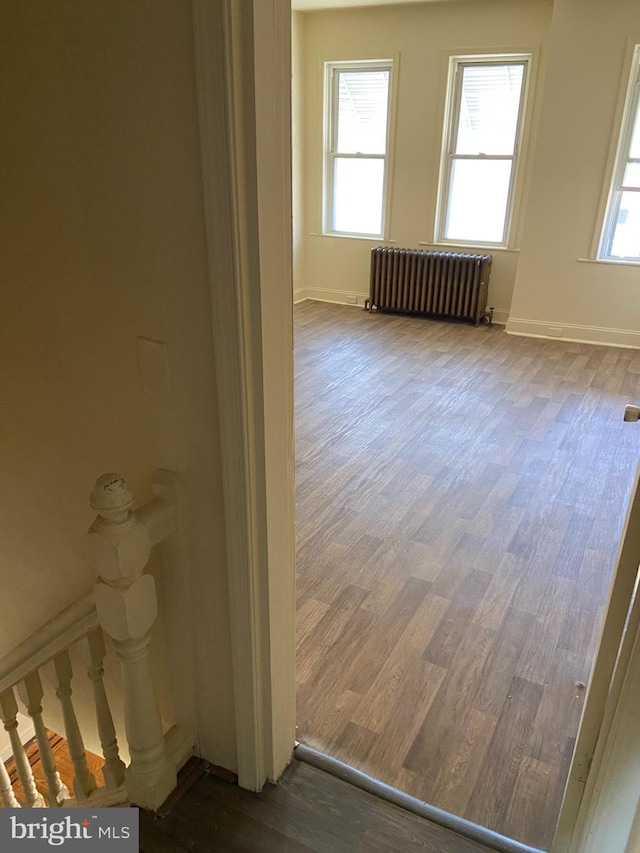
<point x="308" y="810"/>
<point x="460" y="495"/>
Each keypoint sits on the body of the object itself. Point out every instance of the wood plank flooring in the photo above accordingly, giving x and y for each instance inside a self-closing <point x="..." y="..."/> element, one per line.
<point x="460" y="495"/>
<point x="308" y="810"/>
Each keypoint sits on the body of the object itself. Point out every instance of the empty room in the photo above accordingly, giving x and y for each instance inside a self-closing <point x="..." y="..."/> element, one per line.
<point x="463" y="465"/>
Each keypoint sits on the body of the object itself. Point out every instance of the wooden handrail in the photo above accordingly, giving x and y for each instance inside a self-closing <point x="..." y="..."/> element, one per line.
<point x="72" y="623"/>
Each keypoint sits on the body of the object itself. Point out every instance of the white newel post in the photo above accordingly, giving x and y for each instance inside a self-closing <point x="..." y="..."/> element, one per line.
<point x="118" y="548"/>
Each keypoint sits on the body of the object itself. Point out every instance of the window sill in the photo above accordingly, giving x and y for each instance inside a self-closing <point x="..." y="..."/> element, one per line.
<point x="456" y="247"/>
<point x="352" y="237"/>
<point x="634" y="264"/>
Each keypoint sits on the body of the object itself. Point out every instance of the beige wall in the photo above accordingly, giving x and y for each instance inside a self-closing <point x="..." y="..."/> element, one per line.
<point x="102" y="241"/>
<point x="420" y="36"/>
<point x="585" y="72"/>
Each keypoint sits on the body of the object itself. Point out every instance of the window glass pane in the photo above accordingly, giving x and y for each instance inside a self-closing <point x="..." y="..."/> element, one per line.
<point x="626" y="235"/>
<point x="362" y="112"/>
<point x="478" y="197"/>
<point x="631" y="175"/>
<point x="357" y="196"/>
<point x="635" y="137"/>
<point x="489" y="106"/>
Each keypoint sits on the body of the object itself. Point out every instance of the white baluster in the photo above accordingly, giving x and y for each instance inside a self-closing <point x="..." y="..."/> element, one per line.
<point x="6" y="789"/>
<point x="118" y="547"/>
<point x="113" y="770"/>
<point x="31" y="692"/>
<point x="83" y="780"/>
<point x="9" y="713"/>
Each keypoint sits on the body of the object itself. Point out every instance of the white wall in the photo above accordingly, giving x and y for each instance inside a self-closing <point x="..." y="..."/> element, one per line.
<point x="420" y="35"/>
<point x="585" y="72"/>
<point x="102" y="242"/>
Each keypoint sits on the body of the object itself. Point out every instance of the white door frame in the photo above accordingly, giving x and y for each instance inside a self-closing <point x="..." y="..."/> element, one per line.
<point x="243" y="72"/>
<point x="597" y="766"/>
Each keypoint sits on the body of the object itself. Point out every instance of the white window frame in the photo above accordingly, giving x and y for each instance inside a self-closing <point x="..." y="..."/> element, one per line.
<point x="616" y="186"/>
<point x="331" y="102"/>
<point x="450" y="133"/>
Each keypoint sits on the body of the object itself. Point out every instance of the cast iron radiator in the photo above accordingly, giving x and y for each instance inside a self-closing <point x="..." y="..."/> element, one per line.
<point x="444" y="284"/>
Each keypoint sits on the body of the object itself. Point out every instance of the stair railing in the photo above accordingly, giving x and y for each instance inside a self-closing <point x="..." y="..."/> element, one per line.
<point x="21" y="684"/>
<point x="122" y="606"/>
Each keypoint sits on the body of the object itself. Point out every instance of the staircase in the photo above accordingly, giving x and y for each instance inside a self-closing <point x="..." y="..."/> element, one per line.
<point x="111" y="625"/>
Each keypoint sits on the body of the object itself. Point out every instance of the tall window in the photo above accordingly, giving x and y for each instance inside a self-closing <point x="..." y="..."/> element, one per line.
<point x="357" y="140"/>
<point x="485" y="110"/>
<point x="621" y="233"/>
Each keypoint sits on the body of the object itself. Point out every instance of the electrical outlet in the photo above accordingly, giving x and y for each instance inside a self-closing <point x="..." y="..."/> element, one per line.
<point x="352" y="300"/>
<point x="555" y="331"/>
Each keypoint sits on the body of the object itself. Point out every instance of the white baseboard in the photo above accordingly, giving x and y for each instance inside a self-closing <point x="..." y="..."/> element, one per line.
<point x="500" y="316"/>
<point x="180" y="744"/>
<point x="573" y="333"/>
<point x="342" y="297"/>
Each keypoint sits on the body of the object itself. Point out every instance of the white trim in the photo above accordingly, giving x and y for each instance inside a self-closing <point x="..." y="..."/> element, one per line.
<point x="592" y="779"/>
<point x="623" y="90"/>
<point x="375" y="240"/>
<point x="99" y="798"/>
<point x="449" y="127"/>
<point x="619" y="154"/>
<point x="330" y="127"/>
<point x="465" y="246"/>
<point x="220" y="81"/>
<point x="577" y="334"/>
<point x="180" y="744"/>
<point x="230" y="57"/>
<point x="300" y="295"/>
<point x="68" y="626"/>
<point x="610" y="813"/>
<point x="272" y="58"/>
<point x="500" y="316"/>
<point x="338" y="297"/>
<point x="621" y="263"/>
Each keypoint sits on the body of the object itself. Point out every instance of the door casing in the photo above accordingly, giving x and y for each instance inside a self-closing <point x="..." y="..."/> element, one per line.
<point x="242" y="53"/>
